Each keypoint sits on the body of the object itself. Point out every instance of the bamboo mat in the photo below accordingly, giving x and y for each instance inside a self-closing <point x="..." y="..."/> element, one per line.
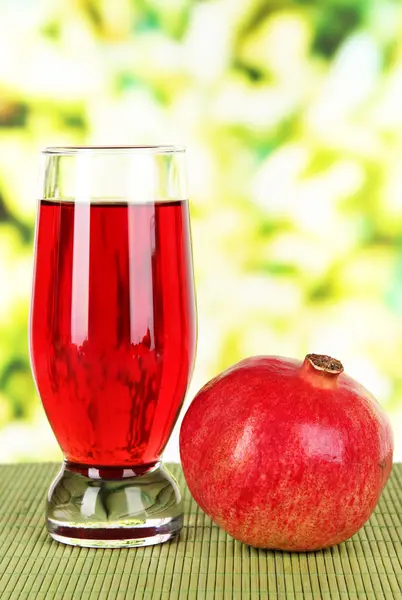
<point x="204" y="563"/>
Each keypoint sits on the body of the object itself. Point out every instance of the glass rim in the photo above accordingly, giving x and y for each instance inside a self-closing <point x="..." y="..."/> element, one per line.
<point x="75" y="150"/>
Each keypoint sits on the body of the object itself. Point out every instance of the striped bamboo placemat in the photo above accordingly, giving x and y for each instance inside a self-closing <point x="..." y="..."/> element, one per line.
<point x="204" y="563"/>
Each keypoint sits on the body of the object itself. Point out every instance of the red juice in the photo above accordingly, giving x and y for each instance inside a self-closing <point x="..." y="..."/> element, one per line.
<point x="112" y="326"/>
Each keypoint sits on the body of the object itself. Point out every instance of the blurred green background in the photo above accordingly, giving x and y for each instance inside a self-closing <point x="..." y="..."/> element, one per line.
<point x="292" y="114"/>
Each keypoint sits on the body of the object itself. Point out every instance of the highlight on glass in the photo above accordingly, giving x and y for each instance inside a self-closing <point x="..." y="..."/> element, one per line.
<point x="113" y="336"/>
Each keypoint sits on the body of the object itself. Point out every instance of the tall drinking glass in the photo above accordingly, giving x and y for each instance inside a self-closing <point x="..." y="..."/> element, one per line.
<point x="112" y="337"/>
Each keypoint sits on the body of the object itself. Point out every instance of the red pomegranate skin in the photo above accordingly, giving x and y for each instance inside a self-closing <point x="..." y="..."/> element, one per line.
<point x="284" y="456"/>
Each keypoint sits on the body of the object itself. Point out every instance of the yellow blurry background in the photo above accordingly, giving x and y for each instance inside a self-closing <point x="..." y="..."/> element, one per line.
<point x="292" y="115"/>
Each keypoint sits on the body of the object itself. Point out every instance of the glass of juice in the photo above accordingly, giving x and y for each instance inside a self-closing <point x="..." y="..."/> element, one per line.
<point x="112" y="337"/>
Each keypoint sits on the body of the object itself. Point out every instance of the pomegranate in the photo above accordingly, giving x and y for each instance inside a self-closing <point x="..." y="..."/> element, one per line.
<point x="286" y="454"/>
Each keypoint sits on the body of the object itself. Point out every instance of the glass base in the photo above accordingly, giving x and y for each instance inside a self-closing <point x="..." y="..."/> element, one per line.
<point x="113" y="507"/>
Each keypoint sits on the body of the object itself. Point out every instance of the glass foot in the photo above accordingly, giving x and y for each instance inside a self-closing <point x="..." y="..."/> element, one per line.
<point x="113" y="507"/>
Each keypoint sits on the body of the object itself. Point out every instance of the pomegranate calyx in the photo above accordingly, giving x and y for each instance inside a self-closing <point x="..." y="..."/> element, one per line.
<point x="321" y="371"/>
<point x="322" y="362"/>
